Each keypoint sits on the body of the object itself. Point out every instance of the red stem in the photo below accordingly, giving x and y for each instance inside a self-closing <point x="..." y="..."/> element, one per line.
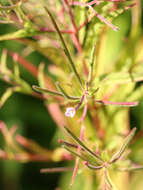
<point x="85" y="22"/>
<point x="26" y="64"/>
<point x="62" y="31"/>
<point x="75" y="35"/>
<point x="77" y="158"/>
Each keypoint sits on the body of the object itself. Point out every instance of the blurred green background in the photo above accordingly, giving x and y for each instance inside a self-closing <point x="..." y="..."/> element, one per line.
<point x="34" y="122"/>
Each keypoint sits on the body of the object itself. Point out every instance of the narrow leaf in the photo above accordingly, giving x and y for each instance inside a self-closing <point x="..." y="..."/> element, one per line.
<point x="98" y="159"/>
<point x="9" y="138"/>
<point x="22" y="33"/>
<point x="41" y="78"/>
<point x="122" y="78"/>
<point x="5" y="96"/>
<point x="137" y="94"/>
<point x="74" y="153"/>
<point x="126" y="142"/>
<point x="65" y="46"/>
<point x="16" y="66"/>
<point x="132" y="168"/>
<point x="3" y="61"/>
<point x="8" y="8"/>
<point x="92" y="167"/>
<point x="67" y="143"/>
<point x="43" y="90"/>
<point x="61" y="90"/>
<point x="128" y="104"/>
<point x="91" y="65"/>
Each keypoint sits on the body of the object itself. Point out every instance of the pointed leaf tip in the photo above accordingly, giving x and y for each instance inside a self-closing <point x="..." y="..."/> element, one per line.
<point x="126" y="142"/>
<point x="81" y="144"/>
<point x="44" y="90"/>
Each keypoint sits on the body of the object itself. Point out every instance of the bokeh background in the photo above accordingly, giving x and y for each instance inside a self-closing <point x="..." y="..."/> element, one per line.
<point x="34" y="122"/>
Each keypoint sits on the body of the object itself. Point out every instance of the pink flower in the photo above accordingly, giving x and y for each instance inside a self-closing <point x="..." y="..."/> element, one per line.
<point x="70" y="112"/>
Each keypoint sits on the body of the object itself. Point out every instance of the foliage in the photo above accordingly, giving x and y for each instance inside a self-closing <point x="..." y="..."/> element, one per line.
<point x="88" y="77"/>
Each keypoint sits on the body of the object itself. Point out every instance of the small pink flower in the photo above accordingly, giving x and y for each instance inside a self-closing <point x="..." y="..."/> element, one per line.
<point x="70" y="112"/>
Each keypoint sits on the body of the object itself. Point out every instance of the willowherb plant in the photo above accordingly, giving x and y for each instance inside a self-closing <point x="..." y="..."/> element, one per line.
<point x="89" y="87"/>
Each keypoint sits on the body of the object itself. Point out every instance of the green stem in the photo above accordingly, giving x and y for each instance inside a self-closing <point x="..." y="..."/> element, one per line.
<point x="91" y="65"/>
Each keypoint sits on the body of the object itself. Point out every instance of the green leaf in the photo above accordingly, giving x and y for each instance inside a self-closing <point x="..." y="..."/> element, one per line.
<point x="122" y="77"/>
<point x="91" y="64"/>
<point x="43" y="90"/>
<point x="5" y="96"/>
<point x="22" y="33"/>
<point x="75" y="153"/>
<point x="136" y="94"/>
<point x="61" y="90"/>
<point x="8" y="8"/>
<point x="65" y="47"/>
<point x="132" y="168"/>
<point x="3" y="61"/>
<point x="92" y="167"/>
<point x="23" y="86"/>
<point x="98" y="159"/>
<point x="126" y="142"/>
<point x="41" y="79"/>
